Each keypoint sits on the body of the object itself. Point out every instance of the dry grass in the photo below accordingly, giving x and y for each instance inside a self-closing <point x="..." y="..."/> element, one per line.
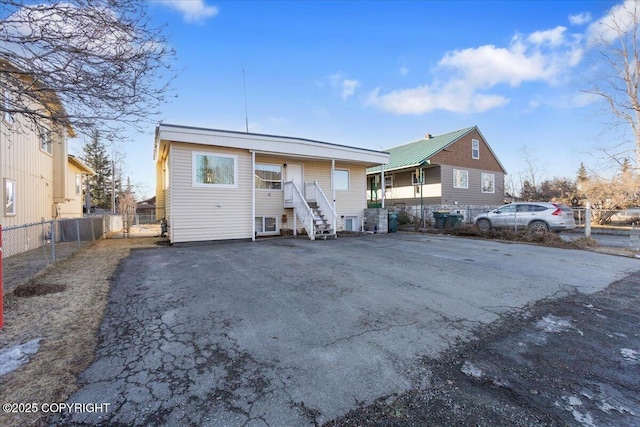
<point x="64" y="307"/>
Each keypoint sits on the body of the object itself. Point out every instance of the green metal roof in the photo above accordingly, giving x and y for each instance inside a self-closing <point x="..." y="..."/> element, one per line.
<point x="418" y="153"/>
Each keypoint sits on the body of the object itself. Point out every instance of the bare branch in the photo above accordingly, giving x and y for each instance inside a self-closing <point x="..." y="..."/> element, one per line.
<point x="100" y="59"/>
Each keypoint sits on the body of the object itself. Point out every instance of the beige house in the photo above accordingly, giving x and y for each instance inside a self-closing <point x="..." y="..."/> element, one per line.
<point x="39" y="178"/>
<point x="216" y="184"/>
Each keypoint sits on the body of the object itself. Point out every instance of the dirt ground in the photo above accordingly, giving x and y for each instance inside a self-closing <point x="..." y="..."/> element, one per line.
<point x="64" y="308"/>
<point x="68" y="309"/>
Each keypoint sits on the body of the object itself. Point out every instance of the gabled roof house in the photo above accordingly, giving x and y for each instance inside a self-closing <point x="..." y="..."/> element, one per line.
<point x="456" y="168"/>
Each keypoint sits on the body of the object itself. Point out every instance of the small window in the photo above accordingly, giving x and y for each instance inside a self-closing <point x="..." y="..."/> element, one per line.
<point x="488" y="183"/>
<point x="46" y="144"/>
<point x="460" y="178"/>
<point x="9" y="197"/>
<point x="388" y="181"/>
<point x="351" y="223"/>
<point x="215" y="170"/>
<point x="417" y="177"/>
<point x="268" y="177"/>
<point x="341" y="179"/>
<point x="266" y="225"/>
<point x="475" y="149"/>
<point x="78" y="184"/>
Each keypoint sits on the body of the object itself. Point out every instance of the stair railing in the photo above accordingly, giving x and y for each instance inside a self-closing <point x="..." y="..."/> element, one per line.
<point x="292" y="196"/>
<point x="314" y="193"/>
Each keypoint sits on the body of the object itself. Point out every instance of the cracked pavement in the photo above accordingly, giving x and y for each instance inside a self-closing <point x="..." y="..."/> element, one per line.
<point x="294" y="332"/>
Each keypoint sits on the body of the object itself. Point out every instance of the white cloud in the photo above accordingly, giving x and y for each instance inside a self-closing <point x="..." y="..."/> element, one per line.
<point x="192" y="10"/>
<point x="618" y="20"/>
<point x="404" y="71"/>
<point x="464" y="80"/>
<point x="346" y="87"/>
<point x="580" y="19"/>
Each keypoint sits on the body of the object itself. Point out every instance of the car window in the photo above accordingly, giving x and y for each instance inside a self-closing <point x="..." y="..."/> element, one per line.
<point x="538" y="208"/>
<point x="523" y="208"/>
<point x="507" y="209"/>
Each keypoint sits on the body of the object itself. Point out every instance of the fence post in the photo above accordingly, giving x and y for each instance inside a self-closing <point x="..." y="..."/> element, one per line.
<point x="1" y="283"/>
<point x="78" y="232"/>
<point x="53" y="242"/>
<point x="587" y="220"/>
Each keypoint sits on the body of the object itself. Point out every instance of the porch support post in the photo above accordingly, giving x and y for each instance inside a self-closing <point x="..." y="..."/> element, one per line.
<point x="382" y="186"/>
<point x="333" y="195"/>
<point x="253" y="196"/>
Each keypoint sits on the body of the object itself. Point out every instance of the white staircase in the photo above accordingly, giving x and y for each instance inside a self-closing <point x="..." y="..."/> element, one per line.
<point x="313" y="209"/>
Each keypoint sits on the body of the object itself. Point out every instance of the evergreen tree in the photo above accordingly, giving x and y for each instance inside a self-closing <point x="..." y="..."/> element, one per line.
<point x="582" y="174"/>
<point x="95" y="156"/>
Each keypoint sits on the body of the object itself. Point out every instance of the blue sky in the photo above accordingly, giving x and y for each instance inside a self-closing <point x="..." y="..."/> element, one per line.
<point x="381" y="74"/>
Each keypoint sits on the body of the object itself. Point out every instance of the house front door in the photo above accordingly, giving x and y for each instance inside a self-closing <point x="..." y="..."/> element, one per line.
<point x="294" y="173"/>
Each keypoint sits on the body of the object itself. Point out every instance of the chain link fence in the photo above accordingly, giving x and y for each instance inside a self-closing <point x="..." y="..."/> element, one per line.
<point x="29" y="249"/>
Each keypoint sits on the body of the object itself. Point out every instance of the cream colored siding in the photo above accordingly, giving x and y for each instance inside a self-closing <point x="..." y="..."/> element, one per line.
<point x="201" y="213"/>
<point x="22" y="161"/>
<point x="269" y="203"/>
<point x="352" y="202"/>
<point x="72" y="208"/>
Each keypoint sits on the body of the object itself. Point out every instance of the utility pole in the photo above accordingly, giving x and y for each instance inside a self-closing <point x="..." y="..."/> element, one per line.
<point x="113" y="186"/>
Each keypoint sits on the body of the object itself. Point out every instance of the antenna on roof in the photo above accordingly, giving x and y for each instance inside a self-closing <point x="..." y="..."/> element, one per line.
<point x="246" y="110"/>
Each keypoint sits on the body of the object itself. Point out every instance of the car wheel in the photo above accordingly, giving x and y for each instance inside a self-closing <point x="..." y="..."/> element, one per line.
<point x="483" y="224"/>
<point x="538" y="227"/>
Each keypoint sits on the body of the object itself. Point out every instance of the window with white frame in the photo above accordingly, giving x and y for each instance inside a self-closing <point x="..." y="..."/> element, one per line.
<point x="266" y="224"/>
<point x="488" y="182"/>
<point x="215" y="170"/>
<point x="460" y="178"/>
<point x="9" y="197"/>
<point x="268" y="177"/>
<point x="341" y="179"/>
<point x="417" y="177"/>
<point x="78" y="183"/>
<point x="388" y="181"/>
<point x="475" y="149"/>
<point x="351" y="223"/>
<point x="46" y="144"/>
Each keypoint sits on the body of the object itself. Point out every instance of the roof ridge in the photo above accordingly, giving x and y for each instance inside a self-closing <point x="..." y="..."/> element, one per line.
<point x="464" y="130"/>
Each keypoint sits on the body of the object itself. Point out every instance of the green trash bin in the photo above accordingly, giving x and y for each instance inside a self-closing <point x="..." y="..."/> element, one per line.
<point x="454" y="220"/>
<point x="393" y="222"/>
<point x="440" y="219"/>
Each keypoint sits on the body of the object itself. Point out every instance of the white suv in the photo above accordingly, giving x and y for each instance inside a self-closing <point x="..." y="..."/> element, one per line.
<point x="535" y="216"/>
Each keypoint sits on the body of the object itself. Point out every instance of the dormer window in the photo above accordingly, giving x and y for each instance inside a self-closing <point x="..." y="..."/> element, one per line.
<point x="475" y="149"/>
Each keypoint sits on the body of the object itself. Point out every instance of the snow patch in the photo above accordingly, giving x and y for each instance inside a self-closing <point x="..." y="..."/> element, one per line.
<point x="553" y="324"/>
<point x="14" y="357"/>
<point x="630" y="355"/>
<point x="471" y="370"/>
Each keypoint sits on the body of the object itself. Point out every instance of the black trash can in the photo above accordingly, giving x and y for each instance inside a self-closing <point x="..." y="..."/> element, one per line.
<point x="393" y="222"/>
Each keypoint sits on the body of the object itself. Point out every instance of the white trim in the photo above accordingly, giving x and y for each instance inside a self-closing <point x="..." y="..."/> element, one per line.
<point x="194" y="181"/>
<point x="454" y="178"/>
<point x="348" y="179"/>
<point x="253" y="197"/>
<point x="267" y="164"/>
<point x="475" y="142"/>
<point x="13" y="184"/>
<point x="493" y="182"/>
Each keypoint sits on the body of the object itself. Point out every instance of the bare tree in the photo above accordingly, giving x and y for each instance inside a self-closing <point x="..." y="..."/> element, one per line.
<point x="100" y="59"/>
<point x="616" y="76"/>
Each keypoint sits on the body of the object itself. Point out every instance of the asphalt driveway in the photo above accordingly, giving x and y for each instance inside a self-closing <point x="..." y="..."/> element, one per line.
<point x="294" y="332"/>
